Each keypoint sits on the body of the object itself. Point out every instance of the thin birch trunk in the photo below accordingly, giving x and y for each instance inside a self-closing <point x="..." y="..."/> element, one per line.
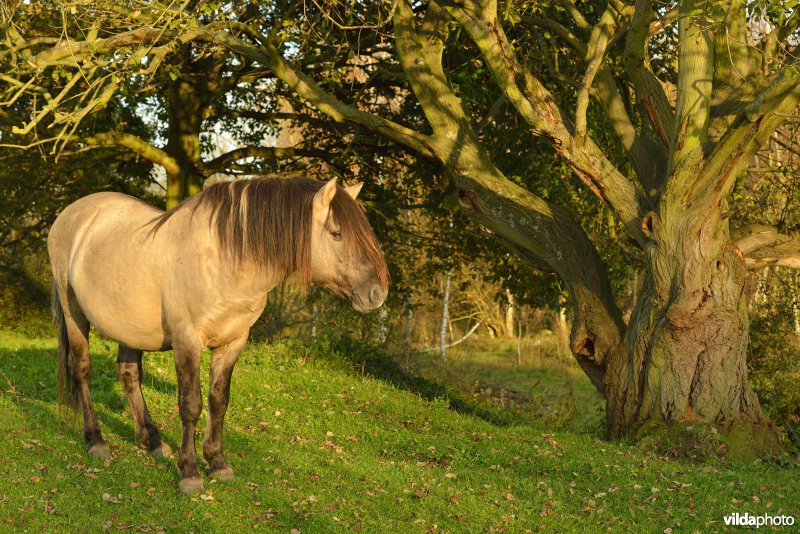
<point x="383" y="325"/>
<point x="409" y="324"/>
<point x="510" y="314"/>
<point x="445" y="318"/>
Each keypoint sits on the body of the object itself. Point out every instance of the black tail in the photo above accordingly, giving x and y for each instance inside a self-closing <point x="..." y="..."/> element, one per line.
<point x="65" y="386"/>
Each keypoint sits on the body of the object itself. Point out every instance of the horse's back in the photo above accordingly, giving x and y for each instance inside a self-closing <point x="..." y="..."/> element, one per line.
<point x="94" y="220"/>
<point x="101" y="248"/>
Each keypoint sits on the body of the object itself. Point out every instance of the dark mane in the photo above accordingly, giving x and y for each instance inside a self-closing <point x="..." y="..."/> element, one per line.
<point x="268" y="221"/>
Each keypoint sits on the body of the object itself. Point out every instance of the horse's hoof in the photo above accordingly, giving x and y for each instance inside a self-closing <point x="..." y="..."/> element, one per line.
<point x="223" y="475"/>
<point x="191" y="485"/>
<point x="162" y="451"/>
<point x="100" y="450"/>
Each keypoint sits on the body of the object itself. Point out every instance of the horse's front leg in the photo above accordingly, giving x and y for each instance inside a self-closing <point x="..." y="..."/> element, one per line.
<point x="190" y="403"/>
<point x="222" y="361"/>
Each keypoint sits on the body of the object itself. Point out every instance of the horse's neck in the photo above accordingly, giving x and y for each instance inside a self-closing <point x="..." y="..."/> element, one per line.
<point x="244" y="278"/>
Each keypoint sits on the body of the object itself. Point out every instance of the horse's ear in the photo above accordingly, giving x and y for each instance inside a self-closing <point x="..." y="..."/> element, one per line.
<point x="323" y="199"/>
<point x="354" y="190"/>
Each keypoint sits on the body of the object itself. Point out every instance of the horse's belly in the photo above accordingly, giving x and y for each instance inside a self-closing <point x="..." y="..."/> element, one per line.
<point x="121" y="312"/>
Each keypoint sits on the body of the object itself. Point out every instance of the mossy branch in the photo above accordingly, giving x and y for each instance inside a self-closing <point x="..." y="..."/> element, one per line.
<point x="138" y="146"/>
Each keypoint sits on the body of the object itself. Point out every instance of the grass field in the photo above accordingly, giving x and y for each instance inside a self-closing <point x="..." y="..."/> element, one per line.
<point x="538" y="388"/>
<point x="333" y="438"/>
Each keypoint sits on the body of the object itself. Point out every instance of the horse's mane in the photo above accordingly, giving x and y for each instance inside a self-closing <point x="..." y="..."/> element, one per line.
<point x="267" y="220"/>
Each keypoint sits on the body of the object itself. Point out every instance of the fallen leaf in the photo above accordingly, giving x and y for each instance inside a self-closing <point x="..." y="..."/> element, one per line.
<point x="108" y="498"/>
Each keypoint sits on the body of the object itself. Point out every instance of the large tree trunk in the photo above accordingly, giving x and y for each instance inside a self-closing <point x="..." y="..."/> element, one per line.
<point x="681" y="357"/>
<point x="186" y="109"/>
<point x="685" y="347"/>
<point x="189" y="97"/>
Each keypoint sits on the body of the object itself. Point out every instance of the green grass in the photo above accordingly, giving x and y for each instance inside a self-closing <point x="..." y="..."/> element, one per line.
<point x="541" y="388"/>
<point x="326" y="442"/>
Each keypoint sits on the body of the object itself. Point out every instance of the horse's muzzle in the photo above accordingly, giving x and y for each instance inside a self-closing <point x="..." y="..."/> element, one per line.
<point x="376" y="296"/>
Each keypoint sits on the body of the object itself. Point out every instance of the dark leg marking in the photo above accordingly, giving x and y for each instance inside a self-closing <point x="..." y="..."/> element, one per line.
<point x="81" y="365"/>
<point x="222" y="361"/>
<point x="190" y="403"/>
<point x="129" y="370"/>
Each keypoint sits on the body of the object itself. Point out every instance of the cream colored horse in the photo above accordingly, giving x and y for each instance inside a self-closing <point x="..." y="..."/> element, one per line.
<point x="197" y="276"/>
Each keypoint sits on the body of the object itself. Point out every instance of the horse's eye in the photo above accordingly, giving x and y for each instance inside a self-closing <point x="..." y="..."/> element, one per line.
<point x="336" y="235"/>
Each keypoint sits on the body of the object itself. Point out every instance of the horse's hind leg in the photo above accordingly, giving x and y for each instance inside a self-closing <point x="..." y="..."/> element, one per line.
<point x="81" y="366"/>
<point x="222" y="361"/>
<point x="129" y="370"/>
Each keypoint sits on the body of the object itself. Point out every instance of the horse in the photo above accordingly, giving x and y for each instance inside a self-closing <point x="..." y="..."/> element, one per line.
<point x="193" y="277"/>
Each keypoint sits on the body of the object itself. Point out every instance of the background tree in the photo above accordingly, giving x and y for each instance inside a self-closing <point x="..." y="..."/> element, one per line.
<point x="687" y="128"/>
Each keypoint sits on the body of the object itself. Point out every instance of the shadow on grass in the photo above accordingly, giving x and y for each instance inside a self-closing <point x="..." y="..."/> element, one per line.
<point x="372" y="361"/>
<point x="30" y="376"/>
<point x="32" y="373"/>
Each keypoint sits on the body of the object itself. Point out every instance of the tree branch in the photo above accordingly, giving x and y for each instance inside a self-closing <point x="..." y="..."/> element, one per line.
<point x="537" y="106"/>
<point x="138" y="146"/>
<point x="657" y="25"/>
<point x="779" y="34"/>
<point x="577" y="17"/>
<point x="748" y="133"/>
<point x="764" y="246"/>
<point x="695" y="82"/>
<point x="736" y="70"/>
<point x="308" y="89"/>
<point x="269" y="116"/>
<point x="601" y="33"/>
<point x="454" y="343"/>
<point x="648" y="159"/>
<point x="649" y="91"/>
<point x="551" y="24"/>
<point x="220" y="163"/>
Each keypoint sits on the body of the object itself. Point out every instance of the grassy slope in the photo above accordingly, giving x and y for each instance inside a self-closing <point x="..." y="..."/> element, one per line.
<point x="320" y="447"/>
<point x="541" y="389"/>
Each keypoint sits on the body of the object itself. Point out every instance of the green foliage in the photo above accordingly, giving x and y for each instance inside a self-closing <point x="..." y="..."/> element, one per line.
<point x="775" y="371"/>
<point x="320" y="443"/>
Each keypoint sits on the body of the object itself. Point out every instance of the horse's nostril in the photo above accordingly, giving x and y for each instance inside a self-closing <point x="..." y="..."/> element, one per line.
<point x="375" y="294"/>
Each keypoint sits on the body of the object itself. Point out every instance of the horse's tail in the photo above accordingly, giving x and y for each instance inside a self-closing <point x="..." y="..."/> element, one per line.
<point x="65" y="386"/>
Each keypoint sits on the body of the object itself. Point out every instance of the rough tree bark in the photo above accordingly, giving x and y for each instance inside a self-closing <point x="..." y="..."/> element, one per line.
<point x="186" y="109"/>
<point x="686" y="342"/>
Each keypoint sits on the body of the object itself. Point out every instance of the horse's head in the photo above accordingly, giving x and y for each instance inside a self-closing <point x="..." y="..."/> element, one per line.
<point x="345" y="255"/>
